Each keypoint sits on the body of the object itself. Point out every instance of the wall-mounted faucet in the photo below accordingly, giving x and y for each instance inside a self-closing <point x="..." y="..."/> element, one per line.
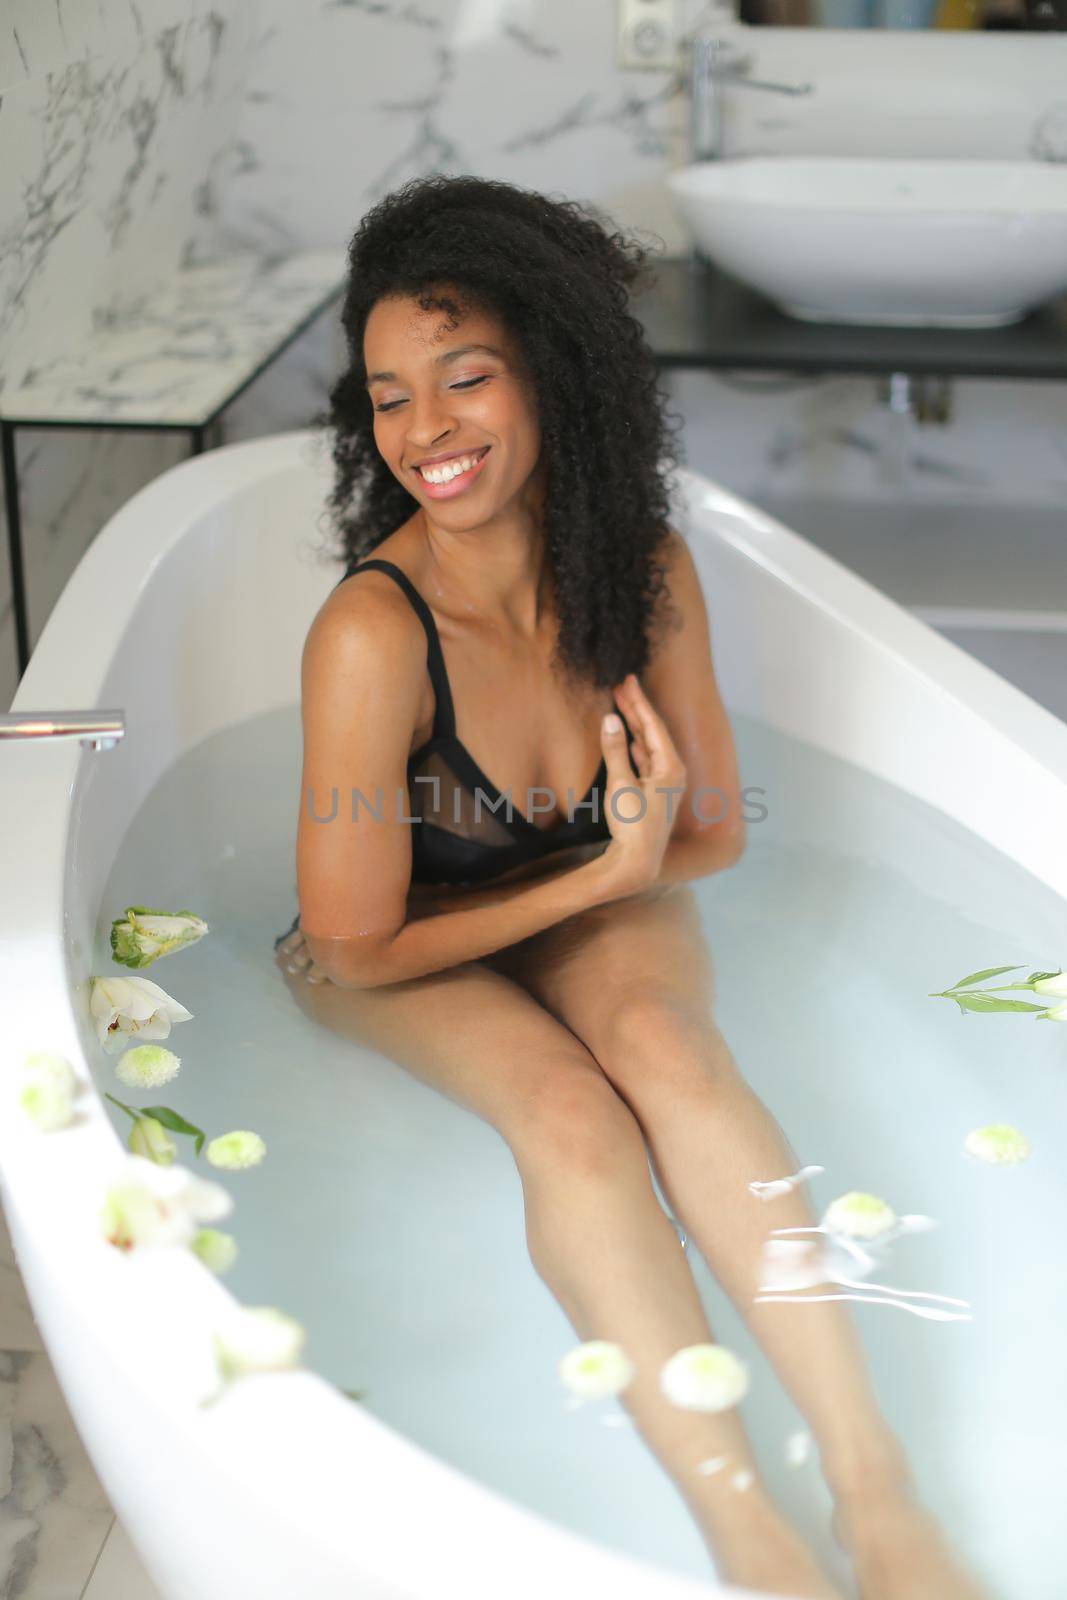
<point x="716" y="61"/>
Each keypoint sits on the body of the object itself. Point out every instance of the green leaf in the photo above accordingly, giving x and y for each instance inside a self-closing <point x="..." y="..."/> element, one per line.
<point x="1035" y="977"/>
<point x="131" y="1111"/>
<point x="979" y="977"/>
<point x="989" y="1002"/>
<point x="177" y="1124"/>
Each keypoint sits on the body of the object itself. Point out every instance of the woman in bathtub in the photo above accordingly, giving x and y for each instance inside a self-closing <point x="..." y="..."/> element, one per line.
<point x="525" y="624"/>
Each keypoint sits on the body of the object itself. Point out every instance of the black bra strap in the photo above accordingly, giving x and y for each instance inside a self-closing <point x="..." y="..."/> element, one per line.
<point x="444" y="717"/>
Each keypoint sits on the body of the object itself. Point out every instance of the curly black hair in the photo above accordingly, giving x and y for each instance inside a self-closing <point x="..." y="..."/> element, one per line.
<point x="557" y="275"/>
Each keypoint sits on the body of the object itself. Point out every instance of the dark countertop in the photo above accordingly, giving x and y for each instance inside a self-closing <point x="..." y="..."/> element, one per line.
<point x="696" y="316"/>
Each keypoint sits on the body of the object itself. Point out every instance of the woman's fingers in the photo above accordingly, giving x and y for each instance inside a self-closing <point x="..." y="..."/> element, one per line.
<point x="649" y="727"/>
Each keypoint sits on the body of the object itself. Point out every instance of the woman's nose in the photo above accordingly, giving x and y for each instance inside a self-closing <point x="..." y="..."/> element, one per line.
<point x="428" y="420"/>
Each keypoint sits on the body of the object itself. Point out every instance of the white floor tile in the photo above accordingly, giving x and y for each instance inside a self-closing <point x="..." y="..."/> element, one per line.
<point x="54" y="1514"/>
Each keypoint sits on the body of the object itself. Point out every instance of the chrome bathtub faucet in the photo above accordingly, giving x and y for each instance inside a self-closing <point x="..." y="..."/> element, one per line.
<point x="97" y="730"/>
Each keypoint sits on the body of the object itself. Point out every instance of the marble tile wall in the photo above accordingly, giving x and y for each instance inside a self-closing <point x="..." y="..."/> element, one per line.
<point x="140" y="134"/>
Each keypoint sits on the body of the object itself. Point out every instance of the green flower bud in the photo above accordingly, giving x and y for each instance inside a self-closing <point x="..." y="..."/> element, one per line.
<point x="150" y="1139"/>
<point x="147" y="1066"/>
<point x="859" y="1215"/>
<point x="257" y="1339"/>
<point x="241" y="1148"/>
<point x="48" y="1089"/>
<point x="142" y="936"/>
<point x="998" y="1143"/>
<point x="216" y="1250"/>
<point x="596" y="1369"/>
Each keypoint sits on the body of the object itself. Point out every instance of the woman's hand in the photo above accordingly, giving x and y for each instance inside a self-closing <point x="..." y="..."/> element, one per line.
<point x="294" y="957"/>
<point x="640" y="824"/>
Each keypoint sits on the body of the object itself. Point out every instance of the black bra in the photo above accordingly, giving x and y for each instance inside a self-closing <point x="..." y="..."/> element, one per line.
<point x="455" y="840"/>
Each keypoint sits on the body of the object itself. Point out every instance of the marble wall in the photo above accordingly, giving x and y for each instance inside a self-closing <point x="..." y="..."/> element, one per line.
<point x="140" y="135"/>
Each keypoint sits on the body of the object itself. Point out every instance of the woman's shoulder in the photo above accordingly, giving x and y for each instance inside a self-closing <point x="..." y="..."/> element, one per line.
<point x="367" y="615"/>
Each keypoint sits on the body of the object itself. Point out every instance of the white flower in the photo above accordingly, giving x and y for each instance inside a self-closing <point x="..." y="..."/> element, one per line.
<point x="149" y="1138"/>
<point x="257" y="1339"/>
<point x="153" y="1205"/>
<point x="596" y="1369"/>
<point x="216" y="1250"/>
<point x="704" y="1377"/>
<point x="241" y="1148"/>
<point x="142" y="936"/>
<point x="1057" y="984"/>
<point x="798" y="1448"/>
<point x="48" y="1089"/>
<point x="859" y="1216"/>
<point x="1056" y="1014"/>
<point x="123" y="1006"/>
<point x="712" y="1464"/>
<point x="998" y="1143"/>
<point x="743" y="1480"/>
<point x="147" y="1066"/>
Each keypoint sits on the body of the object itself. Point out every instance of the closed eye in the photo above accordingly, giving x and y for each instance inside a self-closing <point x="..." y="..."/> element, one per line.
<point x="466" y="383"/>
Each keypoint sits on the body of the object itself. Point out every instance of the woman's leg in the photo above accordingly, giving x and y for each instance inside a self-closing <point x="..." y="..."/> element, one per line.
<point x="634" y="981"/>
<point x="596" y="1232"/>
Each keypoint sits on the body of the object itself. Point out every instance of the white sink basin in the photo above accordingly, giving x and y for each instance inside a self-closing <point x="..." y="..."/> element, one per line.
<point x="934" y="243"/>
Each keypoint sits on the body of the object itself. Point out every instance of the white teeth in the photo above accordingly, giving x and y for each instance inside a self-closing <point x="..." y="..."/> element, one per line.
<point x="451" y="470"/>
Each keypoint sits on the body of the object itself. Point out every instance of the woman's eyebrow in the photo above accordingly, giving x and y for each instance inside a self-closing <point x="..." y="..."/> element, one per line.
<point x="449" y="355"/>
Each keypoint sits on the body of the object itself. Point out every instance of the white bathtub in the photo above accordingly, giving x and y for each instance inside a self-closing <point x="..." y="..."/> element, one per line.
<point x="188" y="612"/>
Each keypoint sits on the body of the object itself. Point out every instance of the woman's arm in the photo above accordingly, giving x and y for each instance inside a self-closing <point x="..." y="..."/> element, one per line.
<point x="482" y="921"/>
<point x="709" y="829"/>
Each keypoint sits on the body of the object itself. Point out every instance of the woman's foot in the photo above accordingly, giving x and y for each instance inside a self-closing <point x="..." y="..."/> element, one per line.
<point x="755" y="1547"/>
<point x="899" y="1552"/>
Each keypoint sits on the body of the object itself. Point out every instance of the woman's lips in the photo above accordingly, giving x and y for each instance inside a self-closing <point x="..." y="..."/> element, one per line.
<point x="445" y="491"/>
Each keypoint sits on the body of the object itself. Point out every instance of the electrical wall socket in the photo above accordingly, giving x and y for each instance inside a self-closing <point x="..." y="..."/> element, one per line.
<point x="647" y="34"/>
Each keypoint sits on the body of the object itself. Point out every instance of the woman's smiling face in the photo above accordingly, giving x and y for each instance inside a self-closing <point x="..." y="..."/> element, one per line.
<point x="442" y="391"/>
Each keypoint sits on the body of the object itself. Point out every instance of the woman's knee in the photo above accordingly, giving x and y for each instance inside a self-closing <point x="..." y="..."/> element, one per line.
<point x="574" y="1121"/>
<point x="653" y="1013"/>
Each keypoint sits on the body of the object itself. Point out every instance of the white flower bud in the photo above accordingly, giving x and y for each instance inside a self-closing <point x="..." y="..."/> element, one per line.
<point x="704" y="1377"/>
<point x="216" y="1250"/>
<point x="998" y="1143"/>
<point x="147" y="1066"/>
<point x="1057" y="984"/>
<point x="257" y="1339"/>
<point x="859" y="1216"/>
<point x="235" y="1150"/>
<point x="596" y="1369"/>
<point x="48" y="1089"/>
